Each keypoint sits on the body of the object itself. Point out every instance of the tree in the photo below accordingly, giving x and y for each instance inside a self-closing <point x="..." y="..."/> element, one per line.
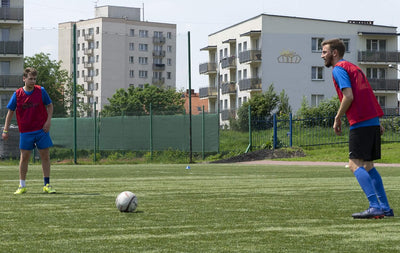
<point x="56" y="81"/>
<point x="136" y="101"/>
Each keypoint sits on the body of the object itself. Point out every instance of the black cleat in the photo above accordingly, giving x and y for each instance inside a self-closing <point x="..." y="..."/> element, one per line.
<point x="389" y="213"/>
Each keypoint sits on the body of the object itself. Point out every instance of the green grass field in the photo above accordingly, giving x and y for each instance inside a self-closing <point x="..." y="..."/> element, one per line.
<point x="209" y="208"/>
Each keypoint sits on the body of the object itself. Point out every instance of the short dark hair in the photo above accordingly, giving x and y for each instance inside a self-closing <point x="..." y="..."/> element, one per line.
<point x="337" y="44"/>
<point x="32" y="71"/>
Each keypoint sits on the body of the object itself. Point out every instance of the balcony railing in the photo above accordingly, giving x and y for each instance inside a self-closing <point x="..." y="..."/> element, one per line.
<point x="158" y="81"/>
<point x="11" y="81"/>
<point x="377" y="56"/>
<point x="12" y="14"/>
<point x="158" y="40"/>
<point x="384" y="84"/>
<point x="250" y="56"/>
<point x="89" y="37"/>
<point x="88" y="78"/>
<point x="12" y="47"/>
<point x="250" y="84"/>
<point x="157" y="53"/>
<point x="158" y="66"/>
<point x="228" y="62"/>
<point x="88" y="65"/>
<point x="88" y="51"/>
<point x="207" y="92"/>
<point x="228" y="88"/>
<point x="208" y="67"/>
<point x="228" y="114"/>
<point x="390" y="110"/>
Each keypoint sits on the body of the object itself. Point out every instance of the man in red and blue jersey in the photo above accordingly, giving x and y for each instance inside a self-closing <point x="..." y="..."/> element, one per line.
<point x="34" y="110"/>
<point x="363" y="111"/>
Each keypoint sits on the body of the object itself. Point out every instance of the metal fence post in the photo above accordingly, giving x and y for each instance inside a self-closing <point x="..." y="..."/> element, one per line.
<point x="290" y="130"/>
<point x="203" y="134"/>
<point x="95" y="132"/>
<point x="275" y="138"/>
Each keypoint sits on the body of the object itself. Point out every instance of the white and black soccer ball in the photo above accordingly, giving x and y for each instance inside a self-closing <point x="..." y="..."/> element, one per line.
<point x="126" y="201"/>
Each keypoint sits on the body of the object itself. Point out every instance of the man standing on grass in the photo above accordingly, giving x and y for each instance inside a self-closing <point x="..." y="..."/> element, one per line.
<point x="358" y="102"/>
<point x="34" y="110"/>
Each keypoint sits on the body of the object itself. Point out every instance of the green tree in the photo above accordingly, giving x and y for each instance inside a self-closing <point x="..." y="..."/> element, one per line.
<point x="57" y="83"/>
<point x="136" y="101"/>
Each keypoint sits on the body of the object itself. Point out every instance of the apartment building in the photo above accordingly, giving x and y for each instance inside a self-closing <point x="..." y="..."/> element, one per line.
<point x="11" y="50"/>
<point x="117" y="50"/>
<point x="246" y="58"/>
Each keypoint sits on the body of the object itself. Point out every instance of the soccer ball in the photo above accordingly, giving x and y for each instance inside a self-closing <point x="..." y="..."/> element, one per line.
<point x="126" y="201"/>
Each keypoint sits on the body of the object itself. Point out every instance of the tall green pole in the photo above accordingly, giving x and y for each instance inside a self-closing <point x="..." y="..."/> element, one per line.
<point x="190" y="103"/>
<point x="151" y="133"/>
<point x="95" y="132"/>
<point x="74" y="93"/>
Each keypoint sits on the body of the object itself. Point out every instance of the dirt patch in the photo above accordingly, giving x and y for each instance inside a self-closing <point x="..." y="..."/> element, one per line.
<point x="263" y="154"/>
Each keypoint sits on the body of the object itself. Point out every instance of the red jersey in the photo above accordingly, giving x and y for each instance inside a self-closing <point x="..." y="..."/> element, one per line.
<point x="31" y="112"/>
<point x="365" y="106"/>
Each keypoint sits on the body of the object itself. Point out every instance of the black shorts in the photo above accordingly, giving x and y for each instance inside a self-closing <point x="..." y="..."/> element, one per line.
<point x="365" y="143"/>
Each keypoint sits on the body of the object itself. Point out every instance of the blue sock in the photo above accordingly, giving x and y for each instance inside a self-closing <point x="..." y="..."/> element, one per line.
<point x="365" y="182"/>
<point x="46" y="180"/>
<point x="380" y="190"/>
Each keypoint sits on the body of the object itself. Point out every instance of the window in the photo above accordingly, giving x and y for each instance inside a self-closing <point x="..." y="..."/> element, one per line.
<point x="97" y="58"/>
<point x="91" y="31"/>
<point x="376" y="45"/>
<point x="132" y="33"/>
<point x="240" y="75"/>
<point x="78" y="47"/>
<point x="131" y="46"/>
<point x="142" y="74"/>
<point x="143" y="47"/>
<point x="221" y="54"/>
<point x="5" y="3"/>
<point x="169" y="35"/>
<point x="226" y="104"/>
<point x="316" y="44"/>
<point x="316" y="99"/>
<point x="239" y="102"/>
<point x="97" y="72"/>
<point x="240" y="47"/>
<point x="225" y="52"/>
<point x="346" y="44"/>
<point x="169" y="62"/>
<point x="317" y="73"/>
<point x="169" y="75"/>
<point x="143" y="60"/>
<point x="245" y="74"/>
<point x="381" y="100"/>
<point x="97" y="44"/>
<point x="131" y="73"/>
<point x="97" y="30"/>
<point x="169" y="49"/>
<point x="376" y="73"/>
<point x="131" y="60"/>
<point x="91" y="45"/>
<point x="158" y="34"/>
<point x="245" y="46"/>
<point x="143" y="33"/>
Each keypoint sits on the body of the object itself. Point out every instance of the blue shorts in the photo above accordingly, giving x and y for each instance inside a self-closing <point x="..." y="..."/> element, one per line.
<point x="39" y="138"/>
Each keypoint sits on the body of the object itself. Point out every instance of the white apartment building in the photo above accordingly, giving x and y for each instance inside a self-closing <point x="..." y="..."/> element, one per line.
<point x="117" y="50"/>
<point x="11" y="50"/>
<point x="248" y="57"/>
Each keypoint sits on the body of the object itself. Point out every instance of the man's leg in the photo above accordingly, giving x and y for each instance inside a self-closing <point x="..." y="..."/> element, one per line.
<point x="45" y="157"/>
<point x="23" y="170"/>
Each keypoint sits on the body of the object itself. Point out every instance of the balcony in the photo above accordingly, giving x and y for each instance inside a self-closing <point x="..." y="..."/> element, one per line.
<point x="228" y="88"/>
<point x="390" y="110"/>
<point x="158" y="66"/>
<point x="250" y="56"/>
<point x="384" y="84"/>
<point x="228" y="62"/>
<point x="12" y="14"/>
<point x="252" y="84"/>
<point x="208" y="92"/>
<point x="11" y="81"/>
<point x="88" y="65"/>
<point x="228" y="114"/>
<point x="377" y="56"/>
<point x="88" y="51"/>
<point x="208" y="67"/>
<point x="158" y="81"/>
<point x="157" y="53"/>
<point x="88" y="37"/>
<point x="12" y="47"/>
<point x="159" y="40"/>
<point x="88" y="78"/>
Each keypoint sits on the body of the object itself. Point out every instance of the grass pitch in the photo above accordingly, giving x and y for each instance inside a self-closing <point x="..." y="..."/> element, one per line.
<point x="209" y="208"/>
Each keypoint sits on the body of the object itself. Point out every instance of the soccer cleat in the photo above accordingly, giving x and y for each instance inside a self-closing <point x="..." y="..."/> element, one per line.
<point x="389" y="213"/>
<point x="20" y="190"/>
<point x="370" y="213"/>
<point x="48" y="189"/>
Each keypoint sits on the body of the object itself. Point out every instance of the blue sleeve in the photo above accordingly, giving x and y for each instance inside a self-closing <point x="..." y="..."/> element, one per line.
<point x="12" y="104"/>
<point x="341" y="77"/>
<point x="45" y="97"/>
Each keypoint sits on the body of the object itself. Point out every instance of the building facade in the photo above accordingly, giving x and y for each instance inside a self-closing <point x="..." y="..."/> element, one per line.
<point x="246" y="58"/>
<point x="11" y="50"/>
<point x="116" y="50"/>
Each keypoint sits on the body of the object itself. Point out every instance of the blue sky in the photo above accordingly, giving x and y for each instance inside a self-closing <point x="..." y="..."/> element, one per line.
<point x="201" y="18"/>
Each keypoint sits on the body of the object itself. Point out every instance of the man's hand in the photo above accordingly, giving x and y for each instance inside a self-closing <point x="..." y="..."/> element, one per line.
<point x="337" y="126"/>
<point x="46" y="126"/>
<point x="382" y="129"/>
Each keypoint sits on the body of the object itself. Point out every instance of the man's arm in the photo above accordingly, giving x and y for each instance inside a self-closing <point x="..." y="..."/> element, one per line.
<point x="344" y="106"/>
<point x="47" y="124"/>
<point x="9" y="116"/>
